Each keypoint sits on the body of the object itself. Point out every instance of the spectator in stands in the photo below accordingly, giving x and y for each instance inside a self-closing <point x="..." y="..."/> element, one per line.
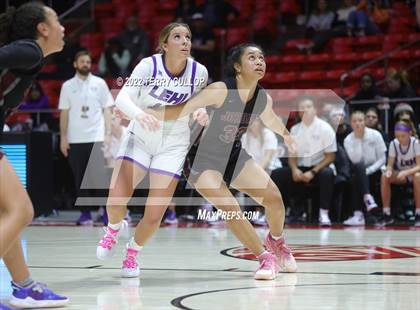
<point x="203" y="43"/>
<point x="397" y="85"/>
<point x="367" y="91"/>
<point x="135" y="40"/>
<point x="372" y="121"/>
<point x="318" y="28"/>
<point x="115" y="60"/>
<point x="217" y="13"/>
<point x="403" y="167"/>
<point x="37" y="100"/>
<point x="366" y="19"/>
<point x="85" y="125"/>
<point x="337" y="120"/>
<point x="343" y="13"/>
<point x="261" y="143"/>
<point x="366" y="149"/>
<point x="185" y="10"/>
<point x="316" y="147"/>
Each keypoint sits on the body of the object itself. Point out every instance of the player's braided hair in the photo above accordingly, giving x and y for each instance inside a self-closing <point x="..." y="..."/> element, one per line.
<point x="235" y="54"/>
<point x="21" y="23"/>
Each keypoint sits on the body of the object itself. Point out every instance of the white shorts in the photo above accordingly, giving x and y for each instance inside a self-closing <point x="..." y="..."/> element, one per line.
<point x="157" y="152"/>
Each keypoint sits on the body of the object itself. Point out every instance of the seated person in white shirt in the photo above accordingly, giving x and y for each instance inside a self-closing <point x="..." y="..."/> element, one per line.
<point x="316" y="146"/>
<point x="261" y="143"/>
<point x="366" y="149"/>
<point x="403" y="166"/>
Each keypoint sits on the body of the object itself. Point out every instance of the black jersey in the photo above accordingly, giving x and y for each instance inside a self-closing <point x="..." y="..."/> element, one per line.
<point x="220" y="146"/>
<point x="20" y="62"/>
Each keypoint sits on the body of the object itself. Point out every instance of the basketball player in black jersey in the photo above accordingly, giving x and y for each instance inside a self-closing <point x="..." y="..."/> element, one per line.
<point x="219" y="162"/>
<point x="27" y="35"/>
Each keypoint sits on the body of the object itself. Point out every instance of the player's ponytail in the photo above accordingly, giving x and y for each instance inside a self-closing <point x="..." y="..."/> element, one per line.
<point x="234" y="57"/>
<point x="6" y="20"/>
<point x="21" y="23"/>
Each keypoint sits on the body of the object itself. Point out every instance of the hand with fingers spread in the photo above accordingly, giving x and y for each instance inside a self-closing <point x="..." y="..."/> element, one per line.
<point x="147" y="121"/>
<point x="201" y="117"/>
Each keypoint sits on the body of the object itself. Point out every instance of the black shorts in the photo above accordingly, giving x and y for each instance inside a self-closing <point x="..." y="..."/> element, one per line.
<point x="1" y="154"/>
<point x="230" y="171"/>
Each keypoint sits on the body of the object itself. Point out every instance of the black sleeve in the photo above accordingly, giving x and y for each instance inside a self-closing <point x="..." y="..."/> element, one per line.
<point x="22" y="55"/>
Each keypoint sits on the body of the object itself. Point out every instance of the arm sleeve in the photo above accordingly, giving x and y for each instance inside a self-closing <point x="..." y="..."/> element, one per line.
<point x="64" y="102"/>
<point x="353" y="149"/>
<point x="20" y="55"/>
<point x="128" y="96"/>
<point x="380" y="150"/>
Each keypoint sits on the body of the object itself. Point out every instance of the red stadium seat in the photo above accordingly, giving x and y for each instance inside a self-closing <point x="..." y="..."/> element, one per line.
<point x="334" y="74"/>
<point x="317" y="62"/>
<point x="236" y="36"/>
<point x="292" y="62"/>
<point x="103" y="10"/>
<point x="273" y="62"/>
<point x="371" y="55"/>
<point x="92" y="39"/>
<point x="111" y="25"/>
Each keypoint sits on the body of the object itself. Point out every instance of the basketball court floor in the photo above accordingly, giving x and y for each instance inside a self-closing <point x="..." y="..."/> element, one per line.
<point x="206" y="268"/>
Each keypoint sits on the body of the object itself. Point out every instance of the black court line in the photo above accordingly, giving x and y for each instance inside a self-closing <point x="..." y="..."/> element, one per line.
<point x="377" y="273"/>
<point x="177" y="302"/>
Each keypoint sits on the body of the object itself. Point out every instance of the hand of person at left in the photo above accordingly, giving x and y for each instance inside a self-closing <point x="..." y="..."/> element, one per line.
<point x="201" y="117"/>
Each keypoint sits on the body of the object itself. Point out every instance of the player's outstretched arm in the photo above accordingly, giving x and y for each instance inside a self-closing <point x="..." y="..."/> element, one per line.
<point x="212" y="95"/>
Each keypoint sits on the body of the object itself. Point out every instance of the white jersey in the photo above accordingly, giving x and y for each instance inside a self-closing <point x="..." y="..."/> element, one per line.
<point x="405" y="157"/>
<point x="152" y="85"/>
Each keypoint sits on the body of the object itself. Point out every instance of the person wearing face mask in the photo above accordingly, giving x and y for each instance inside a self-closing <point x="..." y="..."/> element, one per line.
<point x="27" y="35"/>
<point x="366" y="149"/>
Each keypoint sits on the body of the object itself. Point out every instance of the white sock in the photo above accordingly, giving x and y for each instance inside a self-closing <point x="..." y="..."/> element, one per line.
<point x="387" y="210"/>
<point x="417" y="211"/>
<point x="115" y="226"/>
<point x="133" y="245"/>
<point x="369" y="202"/>
<point x="323" y="211"/>
<point x="358" y="213"/>
<point x="276" y="237"/>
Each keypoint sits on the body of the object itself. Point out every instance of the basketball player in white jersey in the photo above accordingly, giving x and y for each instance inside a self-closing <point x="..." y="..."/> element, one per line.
<point x="160" y="148"/>
<point x="403" y="166"/>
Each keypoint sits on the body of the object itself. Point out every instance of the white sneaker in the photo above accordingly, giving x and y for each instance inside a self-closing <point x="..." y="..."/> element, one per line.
<point x="355" y="220"/>
<point x="324" y="219"/>
<point x="106" y="245"/>
<point x="130" y="267"/>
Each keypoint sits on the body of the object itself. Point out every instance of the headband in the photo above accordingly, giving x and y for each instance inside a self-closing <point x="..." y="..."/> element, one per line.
<point x="402" y="127"/>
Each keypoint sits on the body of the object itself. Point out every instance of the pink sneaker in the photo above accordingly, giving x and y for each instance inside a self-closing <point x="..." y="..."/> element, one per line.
<point x="106" y="245"/>
<point x="283" y="253"/>
<point x="130" y="268"/>
<point x="268" y="268"/>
